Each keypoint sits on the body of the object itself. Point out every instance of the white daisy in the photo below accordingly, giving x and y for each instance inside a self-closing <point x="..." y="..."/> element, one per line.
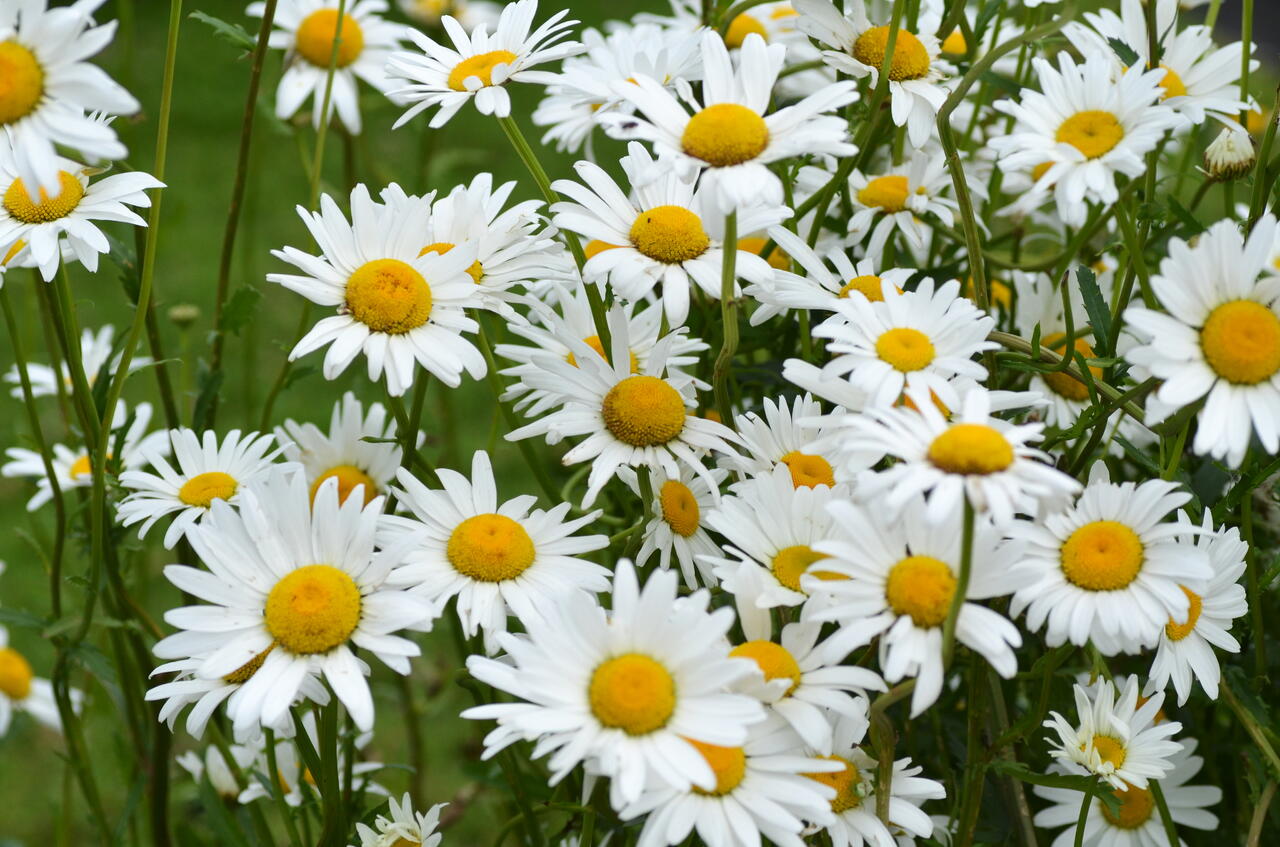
<point x="207" y="472"/>
<point x="306" y="30"/>
<point x="404" y="827"/>
<point x="480" y="64"/>
<point x="1219" y="340"/>
<point x="627" y="690"/>
<point x="785" y="435"/>
<point x="398" y="306"/>
<point x="22" y="691"/>
<point x="677" y="525"/>
<point x="95" y="350"/>
<point x="497" y="559"/>
<point x="342" y="452"/>
<point x="898" y="198"/>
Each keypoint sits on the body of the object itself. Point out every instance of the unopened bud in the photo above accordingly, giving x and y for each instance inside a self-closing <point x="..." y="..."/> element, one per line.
<point x="1230" y="156"/>
<point x="184" y="315"/>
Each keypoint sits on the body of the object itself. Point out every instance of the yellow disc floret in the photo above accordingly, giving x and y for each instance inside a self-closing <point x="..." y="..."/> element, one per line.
<point x="1110" y="750"/>
<point x="1195" y="605"/>
<point x="1241" y="342"/>
<point x="388" y="295"/>
<point x="80" y="467"/>
<point x="18" y="202"/>
<point x="886" y="192"/>
<point x="476" y="271"/>
<point x="669" y="234"/>
<point x="348" y="476"/>
<point x="742" y="26"/>
<point x="245" y="672"/>
<point x="725" y="134"/>
<point x="776" y="258"/>
<point x="1171" y="84"/>
<point x="1102" y="556"/>
<point x="643" y="411"/>
<point x="807" y="470"/>
<point x="969" y="448"/>
<point x="868" y="285"/>
<point x="201" y="490"/>
<point x="954" y="44"/>
<point x="1093" y="132"/>
<point x="490" y="548"/>
<point x="21" y="82"/>
<point x="774" y="660"/>
<point x="595" y="247"/>
<point x="729" y="764"/>
<point x="632" y="692"/>
<point x="594" y="342"/>
<point x="480" y="66"/>
<point x="791" y="563"/>
<point x="910" y="58"/>
<point x="317" y="31"/>
<point x="847" y="784"/>
<point x="905" y="349"/>
<point x="1136" y="806"/>
<point x="1063" y="383"/>
<point x="679" y="508"/>
<point x="922" y="587"/>
<point x="313" y="609"/>
<point x="15" y="674"/>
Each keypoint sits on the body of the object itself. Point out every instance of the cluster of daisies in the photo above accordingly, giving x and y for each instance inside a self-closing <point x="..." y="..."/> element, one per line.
<point x="816" y="459"/>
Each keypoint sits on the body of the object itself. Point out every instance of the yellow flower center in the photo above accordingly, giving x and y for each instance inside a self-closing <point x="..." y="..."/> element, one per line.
<point x="388" y="295"/>
<point x="632" y="692"/>
<point x="18" y="202"/>
<point x="725" y="134"/>
<point x="1064" y="384"/>
<point x="317" y="32"/>
<point x="1179" y="631"/>
<point x="922" y="587"/>
<point x="910" y="59"/>
<point x="15" y="674"/>
<point x="1093" y="132"/>
<point x="80" y="467"/>
<point x="742" y="26"/>
<point x="21" y="82"/>
<point x="1241" y="342"/>
<point x="845" y="782"/>
<point x="490" y="548"/>
<point x="775" y="661"/>
<point x="954" y="44"/>
<point x="313" y="609"/>
<point x="1040" y="170"/>
<point x="595" y="246"/>
<point x="968" y="448"/>
<point x="643" y="411"/>
<point x="1255" y="122"/>
<point x="1136" y="806"/>
<point x="594" y="342"/>
<point x="203" y="489"/>
<point x="886" y="192"/>
<point x="679" y="508"/>
<point x="476" y="270"/>
<point x="348" y="476"/>
<point x="791" y="563"/>
<point x="669" y="234"/>
<point x="245" y="672"/>
<point x="481" y="66"/>
<point x="1172" y="84"/>
<point x="808" y="471"/>
<point x="905" y="349"/>
<point x="867" y="285"/>
<point x="1102" y="556"/>
<point x="755" y="244"/>
<point x="729" y="764"/>
<point x="1110" y="750"/>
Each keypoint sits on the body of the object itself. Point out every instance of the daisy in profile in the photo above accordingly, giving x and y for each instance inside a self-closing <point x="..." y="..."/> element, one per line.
<point x="1116" y="739"/>
<point x="1185" y="651"/>
<point x="44" y="221"/>
<point x="400" y="307"/>
<point x="51" y="94"/>
<point x="22" y="691"/>
<point x="630" y="690"/>
<point x="402" y="827"/>
<point x="297" y="586"/>
<point x="342" y="452"/>
<point x="630" y="419"/>
<point x="313" y="37"/>
<point x="207" y="472"/>
<point x="914" y="76"/>
<point x="786" y="435"/>
<point x="667" y="232"/>
<point x="497" y="559"/>
<point x="1109" y="569"/>
<point x="1090" y="124"/>
<point x="898" y="579"/>
<point x="678" y="526"/>
<point x="732" y="137"/>
<point x="896" y="199"/>
<point x="1137" y="820"/>
<point x="479" y="64"/>
<point x="1220" y="338"/>
<point x="95" y="351"/>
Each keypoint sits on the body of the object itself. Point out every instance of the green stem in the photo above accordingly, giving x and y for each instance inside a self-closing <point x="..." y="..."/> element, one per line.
<point x="1254" y="588"/>
<point x="728" y="320"/>
<point x="1261" y="183"/>
<point x="271" y="782"/>
<point x="1166" y="819"/>
<point x="1085" y="802"/>
<point x="68" y="331"/>
<point x="961" y="589"/>
<point x="317" y="160"/>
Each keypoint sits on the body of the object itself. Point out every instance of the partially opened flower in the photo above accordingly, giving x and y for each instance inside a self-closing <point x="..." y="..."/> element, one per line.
<point x="407" y="827"/>
<point x="342" y="452"/>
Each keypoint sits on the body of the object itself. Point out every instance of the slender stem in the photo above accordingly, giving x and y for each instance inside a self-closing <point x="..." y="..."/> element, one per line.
<point x="68" y="331"/>
<point x="1085" y="802"/>
<point x="1166" y="819"/>
<point x="1261" y="183"/>
<point x="417" y="758"/>
<point x="1260" y="814"/>
<point x="268" y="405"/>
<point x="1256" y="731"/>
<point x="728" y="320"/>
<point x="1254" y="588"/>
<point x="317" y="160"/>
<point x="275" y="789"/>
<point x="961" y="589"/>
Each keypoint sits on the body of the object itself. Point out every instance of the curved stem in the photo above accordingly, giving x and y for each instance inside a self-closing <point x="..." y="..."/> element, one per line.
<point x="1085" y="802"/>
<point x="961" y="588"/>
<point x="728" y="319"/>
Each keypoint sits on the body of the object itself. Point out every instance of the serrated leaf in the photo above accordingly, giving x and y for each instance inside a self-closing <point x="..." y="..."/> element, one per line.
<point x="1126" y="53"/>
<point x="1096" y="306"/>
<point x="232" y="33"/>
<point x="1193" y="226"/>
<point x="240" y="308"/>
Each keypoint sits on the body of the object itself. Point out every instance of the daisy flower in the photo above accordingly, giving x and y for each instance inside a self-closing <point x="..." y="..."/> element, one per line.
<point x="680" y="504"/>
<point x="397" y="305"/>
<point x="786" y="436"/>
<point x="497" y="559"/>
<point x="404" y="827"/>
<point x="95" y="351"/>
<point x="342" y="452"/>
<point x="479" y="64"/>
<point x="51" y="94"/>
<point x="731" y="138"/>
<point x="22" y="691"/>
<point x="67" y="214"/>
<point x="207" y="472"/>
<point x="307" y="31"/>
<point x="1185" y="650"/>
<point x="898" y="579"/>
<point x="667" y="232"/>
<point x="1137" y="821"/>
<point x="915" y="91"/>
<point x="1117" y="740"/>
<point x="630" y="419"/>
<point x="468" y="13"/>
<point x="629" y="690"/>
<point x="898" y="198"/>
<point x="1089" y="125"/>
<point x="1220" y="339"/>
<point x="294" y="585"/>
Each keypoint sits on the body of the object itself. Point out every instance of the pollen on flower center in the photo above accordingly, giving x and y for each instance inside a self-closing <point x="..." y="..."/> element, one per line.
<point x="774" y="660"/>
<point x="15" y="674"/>
<point x="480" y="66"/>
<point x="643" y="411"/>
<point x="905" y="349"/>
<point x="313" y="609"/>
<point x="808" y="470"/>
<point x="201" y="490"/>
<point x="922" y="587"/>
<point x="476" y="271"/>
<point x="490" y="548"/>
<point x="1241" y="342"/>
<point x="1093" y="132"/>
<point x="868" y="285"/>
<point x="725" y="134"/>
<point x="910" y="58"/>
<point x="847" y="784"/>
<point x="729" y="764"/>
<point x="388" y="295"/>
<point x="669" y="234"/>
<point x="348" y="476"/>
<point x="21" y="82"/>
<point x="317" y="32"/>
<point x="632" y="692"/>
<point x="791" y="563"/>
<point x="594" y="342"/>
<point x="18" y="202"/>
<point x="1136" y="806"/>
<point x="742" y="26"/>
<point x="1195" y="604"/>
<point x="245" y="672"/>
<point x="1102" y="556"/>
<point x="968" y="448"/>
<point x="1110" y="750"/>
<point x="886" y="192"/>
<point x="1062" y="383"/>
<point x="679" y="508"/>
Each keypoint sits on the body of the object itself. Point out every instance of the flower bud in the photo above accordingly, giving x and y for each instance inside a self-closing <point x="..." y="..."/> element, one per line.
<point x="1230" y="156"/>
<point x="184" y="315"/>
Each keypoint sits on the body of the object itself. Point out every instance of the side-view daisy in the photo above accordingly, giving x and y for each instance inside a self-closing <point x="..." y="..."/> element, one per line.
<point x="342" y="452"/>
<point x="402" y="827"/>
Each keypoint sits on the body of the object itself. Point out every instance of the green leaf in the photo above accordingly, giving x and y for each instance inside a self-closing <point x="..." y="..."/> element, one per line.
<point x="1019" y="771"/>
<point x="209" y="383"/>
<point x="240" y="308"/>
<point x="26" y="620"/>
<point x="988" y="12"/>
<point x="1126" y="53"/>
<point x="1096" y="305"/>
<point x="233" y="34"/>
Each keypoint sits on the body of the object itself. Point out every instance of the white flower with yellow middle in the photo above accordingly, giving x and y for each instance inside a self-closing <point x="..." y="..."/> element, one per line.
<point x="403" y="827"/>
<point x="786" y="435"/>
<point x="22" y="691"/>
<point x="342" y="452"/>
<point x="897" y="198"/>
<point x="680" y="505"/>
